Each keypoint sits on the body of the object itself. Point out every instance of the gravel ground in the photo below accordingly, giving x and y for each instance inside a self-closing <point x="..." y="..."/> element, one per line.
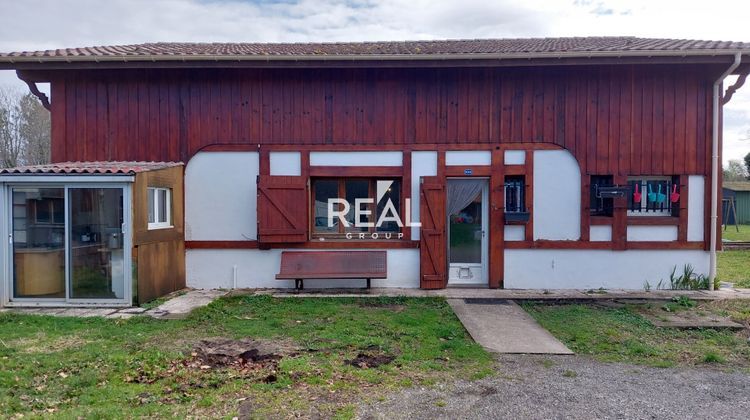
<point x="573" y="387"/>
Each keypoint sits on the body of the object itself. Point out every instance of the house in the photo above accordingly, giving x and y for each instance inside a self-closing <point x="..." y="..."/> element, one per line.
<point x="515" y="163"/>
<point x="739" y="192"/>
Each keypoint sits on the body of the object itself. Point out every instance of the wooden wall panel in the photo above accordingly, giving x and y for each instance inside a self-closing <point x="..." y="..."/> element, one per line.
<point x="630" y="119"/>
<point x="165" y="178"/>
<point x="161" y="269"/>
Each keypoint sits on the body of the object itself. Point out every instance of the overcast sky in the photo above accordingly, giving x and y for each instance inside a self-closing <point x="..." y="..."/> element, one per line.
<point x="39" y="24"/>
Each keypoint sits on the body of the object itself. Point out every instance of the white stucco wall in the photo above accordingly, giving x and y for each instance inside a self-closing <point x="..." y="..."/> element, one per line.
<point x="356" y="158"/>
<point x="285" y="163"/>
<point x="600" y="233"/>
<point x="557" y="195"/>
<point x="515" y="157"/>
<point x="468" y="158"/>
<point x="220" y="196"/>
<point x="422" y="164"/>
<point x="696" y="207"/>
<point x="514" y="233"/>
<point x="652" y="233"/>
<point x="591" y="269"/>
<point x="211" y="269"/>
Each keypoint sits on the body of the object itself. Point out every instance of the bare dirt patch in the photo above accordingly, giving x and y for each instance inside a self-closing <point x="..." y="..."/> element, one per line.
<point x="663" y="316"/>
<point x="248" y="358"/>
<point x="372" y="360"/>
<point x="223" y="352"/>
<point x="41" y="344"/>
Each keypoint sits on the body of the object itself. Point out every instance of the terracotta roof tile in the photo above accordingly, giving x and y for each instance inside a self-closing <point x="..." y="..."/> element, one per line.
<point x="89" y="168"/>
<point x="532" y="47"/>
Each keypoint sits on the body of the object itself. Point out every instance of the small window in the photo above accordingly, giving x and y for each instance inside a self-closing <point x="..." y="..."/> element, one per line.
<point x="159" y="208"/>
<point x="600" y="206"/>
<point x="515" y="194"/>
<point x="653" y="196"/>
<point x="352" y="191"/>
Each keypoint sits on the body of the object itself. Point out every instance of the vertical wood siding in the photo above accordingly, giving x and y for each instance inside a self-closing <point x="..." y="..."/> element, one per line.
<point x="629" y="120"/>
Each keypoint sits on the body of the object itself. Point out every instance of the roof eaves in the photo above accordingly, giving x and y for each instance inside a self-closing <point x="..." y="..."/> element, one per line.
<point x="374" y="57"/>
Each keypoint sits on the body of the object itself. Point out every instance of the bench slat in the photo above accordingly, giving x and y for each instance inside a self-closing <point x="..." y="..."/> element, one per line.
<point x="325" y="264"/>
<point x="334" y="265"/>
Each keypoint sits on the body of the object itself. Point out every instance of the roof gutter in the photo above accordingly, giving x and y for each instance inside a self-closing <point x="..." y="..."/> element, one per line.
<point x="715" y="166"/>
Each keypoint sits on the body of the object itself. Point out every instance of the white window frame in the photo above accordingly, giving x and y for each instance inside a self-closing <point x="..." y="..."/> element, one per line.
<point x="160" y="224"/>
<point x="643" y="180"/>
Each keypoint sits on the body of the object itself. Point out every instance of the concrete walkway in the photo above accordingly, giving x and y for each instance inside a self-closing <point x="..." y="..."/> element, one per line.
<point x="181" y="306"/>
<point x="501" y="326"/>
<point x="518" y="294"/>
<point x="176" y="308"/>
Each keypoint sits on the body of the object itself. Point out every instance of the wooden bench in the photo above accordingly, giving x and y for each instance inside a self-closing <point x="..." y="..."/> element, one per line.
<point x="340" y="265"/>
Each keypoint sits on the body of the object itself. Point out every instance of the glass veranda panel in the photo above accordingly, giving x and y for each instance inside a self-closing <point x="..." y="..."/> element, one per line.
<point x="38" y="242"/>
<point x="97" y="257"/>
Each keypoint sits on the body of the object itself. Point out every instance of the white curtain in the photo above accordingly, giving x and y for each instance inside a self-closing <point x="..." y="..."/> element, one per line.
<point x="461" y="192"/>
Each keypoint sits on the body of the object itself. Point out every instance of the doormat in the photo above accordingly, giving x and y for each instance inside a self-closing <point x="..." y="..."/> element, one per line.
<point x="486" y="301"/>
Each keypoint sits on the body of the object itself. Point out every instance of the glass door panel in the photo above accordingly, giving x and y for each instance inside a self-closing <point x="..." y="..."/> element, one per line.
<point x="96" y="243"/>
<point x="467" y="224"/>
<point x="466" y="233"/>
<point x="38" y="232"/>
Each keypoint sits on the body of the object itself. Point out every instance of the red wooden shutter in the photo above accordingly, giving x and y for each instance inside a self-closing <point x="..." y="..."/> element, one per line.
<point x="282" y="209"/>
<point x="432" y="238"/>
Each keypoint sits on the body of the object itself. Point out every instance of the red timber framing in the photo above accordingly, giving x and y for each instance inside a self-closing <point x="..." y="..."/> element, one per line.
<point x="496" y="172"/>
<point x="497" y="220"/>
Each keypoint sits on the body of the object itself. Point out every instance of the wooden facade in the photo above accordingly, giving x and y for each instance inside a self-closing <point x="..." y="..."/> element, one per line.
<point x="158" y="255"/>
<point x="622" y="120"/>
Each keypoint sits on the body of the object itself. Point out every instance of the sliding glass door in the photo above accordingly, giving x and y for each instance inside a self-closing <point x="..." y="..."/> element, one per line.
<point x="96" y="247"/>
<point x="38" y="242"/>
<point x="69" y="243"/>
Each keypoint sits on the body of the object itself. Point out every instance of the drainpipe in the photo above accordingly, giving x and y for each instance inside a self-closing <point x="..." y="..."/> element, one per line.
<point x="715" y="167"/>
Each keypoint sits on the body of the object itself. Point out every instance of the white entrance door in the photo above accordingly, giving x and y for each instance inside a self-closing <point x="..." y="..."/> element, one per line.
<point x="467" y="231"/>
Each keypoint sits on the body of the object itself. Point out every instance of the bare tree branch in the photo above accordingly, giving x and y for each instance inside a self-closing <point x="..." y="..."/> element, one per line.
<point x="24" y="130"/>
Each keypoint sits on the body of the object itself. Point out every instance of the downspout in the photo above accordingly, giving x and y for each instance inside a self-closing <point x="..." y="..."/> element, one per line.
<point x="715" y="167"/>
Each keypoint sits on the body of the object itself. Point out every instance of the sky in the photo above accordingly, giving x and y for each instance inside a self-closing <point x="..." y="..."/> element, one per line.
<point x="40" y="24"/>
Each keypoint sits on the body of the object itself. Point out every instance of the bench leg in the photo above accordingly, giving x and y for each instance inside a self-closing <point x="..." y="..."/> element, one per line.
<point x="368" y="283"/>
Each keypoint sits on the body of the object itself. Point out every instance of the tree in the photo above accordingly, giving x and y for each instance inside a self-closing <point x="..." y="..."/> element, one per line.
<point x="34" y="130"/>
<point x="735" y="171"/>
<point x="10" y="141"/>
<point x="24" y="130"/>
<point x="747" y="164"/>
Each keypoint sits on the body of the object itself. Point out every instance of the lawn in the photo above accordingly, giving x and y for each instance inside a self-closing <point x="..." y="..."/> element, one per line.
<point x="731" y="233"/>
<point x="734" y="266"/>
<point x="621" y="334"/>
<point x="93" y="367"/>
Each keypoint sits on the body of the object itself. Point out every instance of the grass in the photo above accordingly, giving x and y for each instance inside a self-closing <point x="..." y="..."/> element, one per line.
<point x="93" y="367"/>
<point x="731" y="233"/>
<point x="622" y="335"/>
<point x="734" y="266"/>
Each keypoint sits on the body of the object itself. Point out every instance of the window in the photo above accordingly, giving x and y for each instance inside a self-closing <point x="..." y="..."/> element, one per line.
<point x="356" y="208"/>
<point x="653" y="196"/>
<point x="600" y="206"/>
<point x="515" y="194"/>
<point x="159" y="208"/>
